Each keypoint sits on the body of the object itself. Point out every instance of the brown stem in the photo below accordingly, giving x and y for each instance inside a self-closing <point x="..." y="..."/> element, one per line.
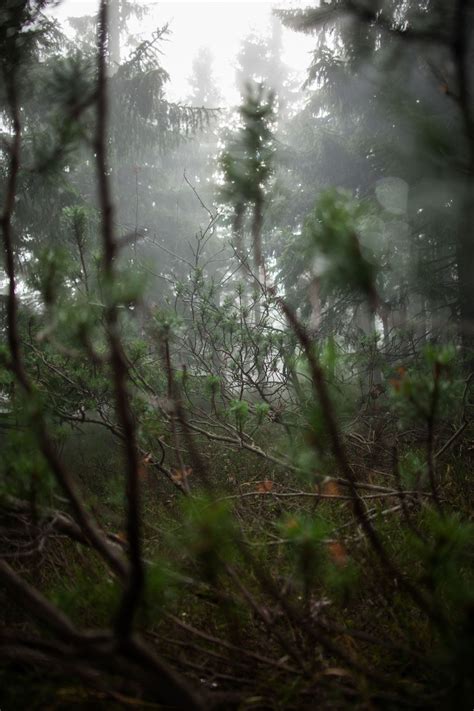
<point x="36" y="604"/>
<point x="430" y="438"/>
<point x="86" y="522"/>
<point x="134" y="588"/>
<point x="339" y="452"/>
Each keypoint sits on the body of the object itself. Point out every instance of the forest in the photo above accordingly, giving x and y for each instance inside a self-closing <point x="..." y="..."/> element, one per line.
<point x="237" y="357"/>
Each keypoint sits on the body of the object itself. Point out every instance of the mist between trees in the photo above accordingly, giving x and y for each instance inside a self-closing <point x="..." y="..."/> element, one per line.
<point x="236" y="368"/>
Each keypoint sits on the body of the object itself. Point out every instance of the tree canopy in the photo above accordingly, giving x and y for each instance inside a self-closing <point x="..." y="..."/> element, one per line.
<point x="236" y="363"/>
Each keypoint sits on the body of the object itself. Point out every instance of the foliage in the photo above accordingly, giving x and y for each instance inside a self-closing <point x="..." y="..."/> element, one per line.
<point x="248" y="476"/>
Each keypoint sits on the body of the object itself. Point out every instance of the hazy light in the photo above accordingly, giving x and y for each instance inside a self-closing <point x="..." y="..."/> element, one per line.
<point x="219" y="25"/>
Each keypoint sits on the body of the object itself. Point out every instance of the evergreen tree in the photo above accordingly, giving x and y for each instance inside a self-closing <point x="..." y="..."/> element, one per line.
<point x="383" y="108"/>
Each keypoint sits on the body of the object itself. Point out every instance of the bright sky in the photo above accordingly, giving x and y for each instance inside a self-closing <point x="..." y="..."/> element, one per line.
<point x="219" y="25"/>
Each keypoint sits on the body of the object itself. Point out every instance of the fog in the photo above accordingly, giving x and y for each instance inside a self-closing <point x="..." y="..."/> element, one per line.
<point x="236" y="355"/>
<point x="219" y="26"/>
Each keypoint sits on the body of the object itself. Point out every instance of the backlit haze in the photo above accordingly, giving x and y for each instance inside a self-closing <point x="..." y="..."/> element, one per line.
<point x="218" y="26"/>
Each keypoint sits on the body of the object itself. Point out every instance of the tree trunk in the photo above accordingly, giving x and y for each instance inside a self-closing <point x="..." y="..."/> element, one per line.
<point x="115" y="21"/>
<point x="465" y="260"/>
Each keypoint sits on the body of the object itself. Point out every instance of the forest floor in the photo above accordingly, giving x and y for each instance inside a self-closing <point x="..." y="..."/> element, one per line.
<point x="227" y="629"/>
